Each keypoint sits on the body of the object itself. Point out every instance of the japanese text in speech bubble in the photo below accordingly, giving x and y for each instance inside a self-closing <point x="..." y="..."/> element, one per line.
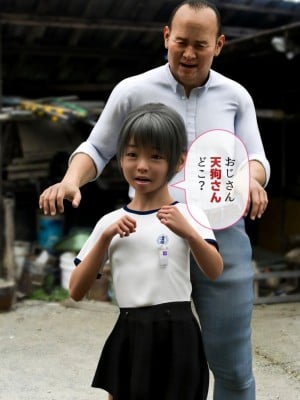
<point x="217" y="177"/>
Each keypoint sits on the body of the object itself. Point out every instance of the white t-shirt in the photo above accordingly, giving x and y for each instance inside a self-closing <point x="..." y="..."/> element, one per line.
<point x="140" y="276"/>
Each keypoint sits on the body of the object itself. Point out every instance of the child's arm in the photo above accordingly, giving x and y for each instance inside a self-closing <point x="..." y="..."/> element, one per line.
<point x="83" y="276"/>
<point x="206" y="255"/>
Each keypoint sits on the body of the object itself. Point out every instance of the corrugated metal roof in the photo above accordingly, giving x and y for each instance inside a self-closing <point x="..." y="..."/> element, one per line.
<point x="84" y="47"/>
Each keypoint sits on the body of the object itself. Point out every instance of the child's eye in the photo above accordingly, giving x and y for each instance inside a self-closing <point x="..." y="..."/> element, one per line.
<point x="158" y="156"/>
<point x="131" y="154"/>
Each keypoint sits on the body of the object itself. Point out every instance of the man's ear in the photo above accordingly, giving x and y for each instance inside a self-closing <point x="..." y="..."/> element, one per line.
<point x="181" y="162"/>
<point x="219" y="45"/>
<point x="166" y="36"/>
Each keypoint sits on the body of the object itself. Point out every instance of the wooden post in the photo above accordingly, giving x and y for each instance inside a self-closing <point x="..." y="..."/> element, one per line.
<point x="9" y="229"/>
<point x="1" y="167"/>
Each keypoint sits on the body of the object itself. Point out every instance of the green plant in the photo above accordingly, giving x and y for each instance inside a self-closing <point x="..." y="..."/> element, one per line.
<point x="57" y="294"/>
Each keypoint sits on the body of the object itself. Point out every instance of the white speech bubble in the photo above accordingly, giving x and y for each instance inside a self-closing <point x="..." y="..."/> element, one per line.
<point x="217" y="177"/>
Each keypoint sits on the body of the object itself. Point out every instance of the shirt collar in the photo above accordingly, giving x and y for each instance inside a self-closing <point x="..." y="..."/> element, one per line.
<point x="176" y="85"/>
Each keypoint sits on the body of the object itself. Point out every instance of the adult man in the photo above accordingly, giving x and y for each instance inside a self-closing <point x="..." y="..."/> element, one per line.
<point x="206" y="100"/>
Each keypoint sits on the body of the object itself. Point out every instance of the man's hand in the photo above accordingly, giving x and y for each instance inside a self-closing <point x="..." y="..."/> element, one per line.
<point x="258" y="200"/>
<point x="81" y="171"/>
<point x="51" y="200"/>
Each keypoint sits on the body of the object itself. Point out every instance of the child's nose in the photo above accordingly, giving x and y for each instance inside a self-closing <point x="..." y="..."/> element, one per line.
<point x="142" y="164"/>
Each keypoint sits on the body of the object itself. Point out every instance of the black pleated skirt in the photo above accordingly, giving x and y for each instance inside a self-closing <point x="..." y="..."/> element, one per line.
<point x="154" y="353"/>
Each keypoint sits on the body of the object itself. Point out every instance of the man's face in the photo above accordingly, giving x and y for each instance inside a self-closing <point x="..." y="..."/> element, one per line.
<point x="192" y="44"/>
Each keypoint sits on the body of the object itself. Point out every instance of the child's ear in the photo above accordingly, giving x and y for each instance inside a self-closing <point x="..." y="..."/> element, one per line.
<point x="181" y="162"/>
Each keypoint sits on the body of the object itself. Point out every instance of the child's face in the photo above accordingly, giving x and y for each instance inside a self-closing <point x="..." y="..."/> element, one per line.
<point x="144" y="168"/>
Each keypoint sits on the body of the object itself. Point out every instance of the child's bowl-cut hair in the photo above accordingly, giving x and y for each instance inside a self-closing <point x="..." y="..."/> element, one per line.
<point x="155" y="125"/>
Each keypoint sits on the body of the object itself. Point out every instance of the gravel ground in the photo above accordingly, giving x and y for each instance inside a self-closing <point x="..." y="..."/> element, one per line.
<point x="49" y="351"/>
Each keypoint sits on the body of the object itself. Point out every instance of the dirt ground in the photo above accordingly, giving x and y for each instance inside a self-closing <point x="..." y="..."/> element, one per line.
<point x="49" y="351"/>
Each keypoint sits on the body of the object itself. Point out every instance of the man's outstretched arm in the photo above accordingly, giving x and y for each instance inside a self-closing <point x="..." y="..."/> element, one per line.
<point x="81" y="170"/>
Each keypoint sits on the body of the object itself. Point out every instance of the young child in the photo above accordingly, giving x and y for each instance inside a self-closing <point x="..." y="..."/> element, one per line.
<point x="155" y="350"/>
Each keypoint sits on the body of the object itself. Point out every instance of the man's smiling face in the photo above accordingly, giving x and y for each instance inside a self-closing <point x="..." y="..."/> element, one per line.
<point x="192" y="44"/>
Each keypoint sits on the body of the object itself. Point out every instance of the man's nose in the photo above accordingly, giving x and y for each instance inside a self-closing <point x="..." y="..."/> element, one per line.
<point x="189" y="52"/>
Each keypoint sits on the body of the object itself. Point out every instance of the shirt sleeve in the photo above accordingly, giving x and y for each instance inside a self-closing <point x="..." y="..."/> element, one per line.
<point x="199" y="221"/>
<point x="246" y="128"/>
<point x="88" y="245"/>
<point x="102" y="141"/>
